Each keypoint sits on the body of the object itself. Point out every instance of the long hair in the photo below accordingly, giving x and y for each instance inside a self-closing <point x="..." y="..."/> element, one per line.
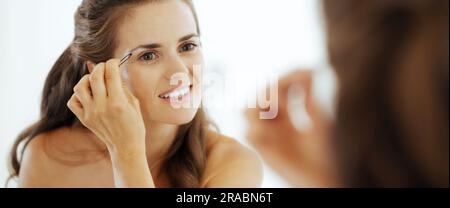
<point x="96" y="23"/>
<point x="391" y="59"/>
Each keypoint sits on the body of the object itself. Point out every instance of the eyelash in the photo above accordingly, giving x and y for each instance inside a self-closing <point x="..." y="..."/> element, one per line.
<point x="195" y="46"/>
<point x="142" y="57"/>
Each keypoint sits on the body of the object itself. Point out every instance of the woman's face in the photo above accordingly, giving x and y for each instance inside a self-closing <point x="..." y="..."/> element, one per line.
<point x="165" y="35"/>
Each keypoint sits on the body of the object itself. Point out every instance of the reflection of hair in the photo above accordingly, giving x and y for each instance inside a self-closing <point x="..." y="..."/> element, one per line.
<point x="391" y="58"/>
<point x="95" y="25"/>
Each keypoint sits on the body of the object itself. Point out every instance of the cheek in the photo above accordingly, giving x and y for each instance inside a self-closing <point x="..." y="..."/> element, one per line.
<point x="196" y="66"/>
<point x="142" y="83"/>
<point x="195" y="59"/>
<point x="200" y="60"/>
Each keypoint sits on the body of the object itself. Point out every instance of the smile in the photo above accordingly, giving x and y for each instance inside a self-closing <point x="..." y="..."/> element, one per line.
<point x="177" y="93"/>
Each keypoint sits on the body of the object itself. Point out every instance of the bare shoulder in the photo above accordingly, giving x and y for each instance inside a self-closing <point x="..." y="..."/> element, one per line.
<point x="61" y="158"/>
<point x="230" y="164"/>
<point x="218" y="146"/>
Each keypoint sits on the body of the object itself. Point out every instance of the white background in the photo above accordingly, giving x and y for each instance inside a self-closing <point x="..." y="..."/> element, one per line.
<point x="239" y="36"/>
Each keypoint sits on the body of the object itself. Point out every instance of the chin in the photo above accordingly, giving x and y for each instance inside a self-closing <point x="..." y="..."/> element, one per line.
<point x="177" y="107"/>
<point x="177" y="116"/>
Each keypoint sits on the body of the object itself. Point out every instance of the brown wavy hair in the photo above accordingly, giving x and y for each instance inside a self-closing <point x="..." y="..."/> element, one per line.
<point x="96" y="22"/>
<point x="391" y="59"/>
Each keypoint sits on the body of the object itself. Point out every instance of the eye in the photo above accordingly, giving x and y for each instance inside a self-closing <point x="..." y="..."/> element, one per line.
<point x="188" y="47"/>
<point x="149" y="56"/>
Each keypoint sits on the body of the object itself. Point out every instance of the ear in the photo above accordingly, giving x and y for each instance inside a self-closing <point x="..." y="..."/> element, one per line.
<point x="90" y="65"/>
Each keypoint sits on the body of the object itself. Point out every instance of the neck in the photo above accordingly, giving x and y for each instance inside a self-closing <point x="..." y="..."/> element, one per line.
<point x="159" y="139"/>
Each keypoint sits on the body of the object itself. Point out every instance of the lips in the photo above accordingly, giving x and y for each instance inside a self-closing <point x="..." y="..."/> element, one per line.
<point x="178" y="92"/>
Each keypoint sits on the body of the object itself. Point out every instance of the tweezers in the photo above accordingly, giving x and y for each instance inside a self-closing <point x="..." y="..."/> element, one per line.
<point x="125" y="59"/>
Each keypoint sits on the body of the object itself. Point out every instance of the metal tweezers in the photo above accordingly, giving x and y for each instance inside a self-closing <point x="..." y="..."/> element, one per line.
<point x="125" y="59"/>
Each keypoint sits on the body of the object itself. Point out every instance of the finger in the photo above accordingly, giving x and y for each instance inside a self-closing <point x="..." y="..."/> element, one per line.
<point x="113" y="80"/>
<point x="75" y="106"/>
<point x="130" y="97"/>
<point x="97" y="82"/>
<point x="318" y="117"/>
<point x="297" y="84"/>
<point x="304" y="80"/>
<point x="302" y="77"/>
<point x="83" y="92"/>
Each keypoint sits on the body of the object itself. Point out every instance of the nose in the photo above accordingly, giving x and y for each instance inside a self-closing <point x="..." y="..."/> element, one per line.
<point x="175" y="64"/>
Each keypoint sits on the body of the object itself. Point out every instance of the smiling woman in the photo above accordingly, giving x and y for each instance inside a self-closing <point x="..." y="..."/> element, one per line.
<point x="100" y="129"/>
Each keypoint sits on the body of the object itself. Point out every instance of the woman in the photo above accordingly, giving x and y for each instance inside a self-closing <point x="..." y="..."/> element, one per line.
<point x="107" y="123"/>
<point x="392" y="122"/>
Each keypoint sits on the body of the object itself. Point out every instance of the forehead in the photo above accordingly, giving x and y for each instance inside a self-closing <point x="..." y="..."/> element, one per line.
<point x="160" y="22"/>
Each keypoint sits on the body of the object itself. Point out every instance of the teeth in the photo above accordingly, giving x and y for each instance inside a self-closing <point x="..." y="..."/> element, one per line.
<point x="176" y="94"/>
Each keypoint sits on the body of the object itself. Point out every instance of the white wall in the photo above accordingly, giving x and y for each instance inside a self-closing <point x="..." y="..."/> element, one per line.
<point x="32" y="35"/>
<point x="251" y="36"/>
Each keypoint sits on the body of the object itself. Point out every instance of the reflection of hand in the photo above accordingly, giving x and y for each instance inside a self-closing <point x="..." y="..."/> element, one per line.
<point x="302" y="158"/>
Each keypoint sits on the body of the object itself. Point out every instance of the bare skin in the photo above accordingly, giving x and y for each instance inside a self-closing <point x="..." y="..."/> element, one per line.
<point x="53" y="160"/>
<point x="129" y="126"/>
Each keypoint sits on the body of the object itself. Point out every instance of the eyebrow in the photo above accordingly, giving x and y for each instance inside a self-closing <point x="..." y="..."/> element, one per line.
<point x="156" y="45"/>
